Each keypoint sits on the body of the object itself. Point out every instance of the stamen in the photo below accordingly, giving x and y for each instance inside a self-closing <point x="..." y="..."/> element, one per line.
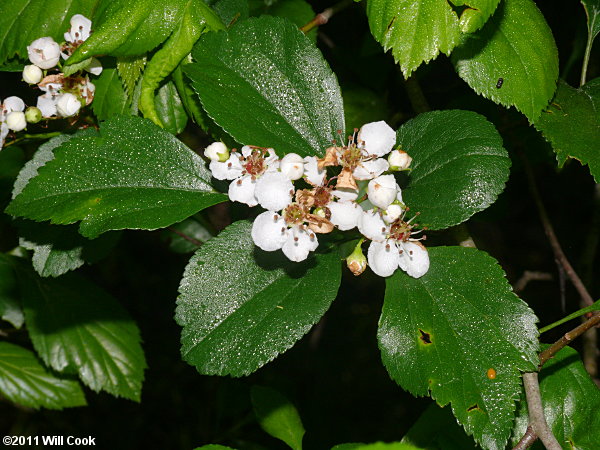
<point x="275" y="217"/>
<point x="410" y="252"/>
<point x="282" y="230"/>
<point x="295" y="238"/>
<point x="383" y="229"/>
<point x="387" y="246"/>
<point x="229" y="165"/>
<point x="312" y="236"/>
<point x="291" y="192"/>
<point x="239" y="182"/>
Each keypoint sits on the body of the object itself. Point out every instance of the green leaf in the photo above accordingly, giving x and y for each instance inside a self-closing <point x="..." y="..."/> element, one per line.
<point x="130" y="69"/>
<point x="190" y="228"/>
<point x="25" y="381"/>
<point x="375" y="446"/>
<point x="73" y="68"/>
<point x="277" y="416"/>
<point x="169" y="109"/>
<point x="362" y="106"/>
<point x="460" y="335"/>
<point x="110" y="98"/>
<point x="240" y="307"/>
<point x="459" y="166"/>
<point x="286" y="96"/>
<point x="574" y="109"/>
<point x="418" y="30"/>
<point x="230" y="10"/>
<point x="516" y="51"/>
<point x="126" y="28"/>
<point x="10" y="300"/>
<point x="214" y="447"/>
<point x="23" y="21"/>
<point x="592" y="11"/>
<point x="77" y="328"/>
<point x="130" y="175"/>
<point x="197" y="18"/>
<point x="437" y="429"/>
<point x="59" y="249"/>
<point x="571" y="402"/>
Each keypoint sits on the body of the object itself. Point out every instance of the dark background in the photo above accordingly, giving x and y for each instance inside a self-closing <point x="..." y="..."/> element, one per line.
<point x="334" y="375"/>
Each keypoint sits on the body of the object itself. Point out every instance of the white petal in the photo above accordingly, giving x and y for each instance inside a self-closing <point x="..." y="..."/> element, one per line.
<point x="382" y="191"/>
<point x="3" y="133"/>
<point x="246" y="151"/>
<point x="228" y="170"/>
<point x="392" y="213"/>
<point x="80" y="29"/>
<point x="312" y="174"/>
<point x="383" y="257"/>
<point x="292" y="165"/>
<point x="47" y="105"/>
<point x="94" y="67"/>
<point x="44" y="52"/>
<point x="269" y="231"/>
<point x="51" y="88"/>
<point x="372" y="226"/>
<point x="67" y="105"/>
<point x="13" y="104"/>
<point x="414" y="259"/>
<point x="299" y="243"/>
<point x="272" y="160"/>
<point x="345" y="194"/>
<point x="344" y="215"/>
<point x="378" y="137"/>
<point x="367" y="170"/>
<point x="274" y="191"/>
<point x="242" y="190"/>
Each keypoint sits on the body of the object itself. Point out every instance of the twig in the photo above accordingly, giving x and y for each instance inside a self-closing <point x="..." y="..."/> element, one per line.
<point x="196" y="242"/>
<point x="556" y="248"/>
<point x="323" y="17"/>
<point x="537" y="420"/>
<point x="568" y="337"/>
<point x="530" y="275"/>
<point x="527" y="440"/>
<point x="415" y="95"/>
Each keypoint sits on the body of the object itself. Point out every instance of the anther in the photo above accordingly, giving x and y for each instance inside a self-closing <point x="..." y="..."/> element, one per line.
<point x="387" y="246"/>
<point x="275" y="217"/>
<point x="383" y="229"/>
<point x="283" y="229"/>
<point x="229" y="165"/>
<point x="410" y="252"/>
<point x="295" y="238"/>
<point x="239" y="182"/>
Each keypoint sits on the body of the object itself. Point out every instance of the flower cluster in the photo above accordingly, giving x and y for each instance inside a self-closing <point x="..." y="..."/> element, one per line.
<point x="352" y="186"/>
<point x="63" y="95"/>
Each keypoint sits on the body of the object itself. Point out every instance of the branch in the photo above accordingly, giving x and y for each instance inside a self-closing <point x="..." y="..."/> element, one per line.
<point x="537" y="420"/>
<point x="527" y="440"/>
<point x="568" y="337"/>
<point x="556" y="248"/>
<point x="530" y="275"/>
<point x="196" y="242"/>
<point x="323" y="17"/>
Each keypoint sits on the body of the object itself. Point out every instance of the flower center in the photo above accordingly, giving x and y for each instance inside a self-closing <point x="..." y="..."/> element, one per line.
<point x="255" y="163"/>
<point x="294" y="214"/>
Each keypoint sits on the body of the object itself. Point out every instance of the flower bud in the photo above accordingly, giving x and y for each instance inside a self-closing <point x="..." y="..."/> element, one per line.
<point x="16" y="121"/>
<point x="32" y="74"/>
<point x="357" y="262"/>
<point x="33" y="114"/>
<point x="67" y="105"/>
<point x="292" y="165"/>
<point x="392" y="213"/>
<point x="44" y="53"/>
<point x="399" y="160"/>
<point x="382" y="191"/>
<point x="217" y="151"/>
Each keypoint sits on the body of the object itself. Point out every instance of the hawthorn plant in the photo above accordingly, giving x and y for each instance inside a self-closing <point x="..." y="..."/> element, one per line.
<point x="146" y="114"/>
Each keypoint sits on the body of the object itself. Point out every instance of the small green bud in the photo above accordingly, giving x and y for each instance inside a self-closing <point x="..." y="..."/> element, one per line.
<point x="33" y="114"/>
<point x="357" y="262"/>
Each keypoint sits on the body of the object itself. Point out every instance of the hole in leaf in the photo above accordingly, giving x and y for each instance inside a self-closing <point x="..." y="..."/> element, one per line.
<point x="425" y="337"/>
<point x="390" y="24"/>
<point x="473" y="408"/>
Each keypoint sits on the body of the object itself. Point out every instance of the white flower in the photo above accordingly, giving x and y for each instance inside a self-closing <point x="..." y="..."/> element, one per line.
<point x="385" y="257"/>
<point x="44" y="53"/>
<point x="274" y="191"/>
<point x="378" y="138"/>
<point x="217" y="151"/>
<point x="80" y="29"/>
<point x="67" y="105"/>
<point x="382" y="191"/>
<point x="399" y="160"/>
<point x="15" y="120"/>
<point x="47" y="105"/>
<point x="270" y="232"/>
<point x="312" y="174"/>
<point x="344" y="215"/>
<point x="370" y="168"/>
<point x="32" y="74"/>
<point x="292" y="165"/>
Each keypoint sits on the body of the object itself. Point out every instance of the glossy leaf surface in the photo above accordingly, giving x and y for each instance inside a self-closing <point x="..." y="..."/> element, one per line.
<point x="459" y="166"/>
<point x="513" y="60"/>
<point x="25" y="381"/>
<point x="286" y="96"/>
<point x="131" y="174"/>
<point x="460" y="335"/>
<point x="240" y="307"/>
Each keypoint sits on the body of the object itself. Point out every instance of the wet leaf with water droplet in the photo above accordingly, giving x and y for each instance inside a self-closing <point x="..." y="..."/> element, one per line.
<point x="475" y="322"/>
<point x="266" y="84"/>
<point x="459" y="166"/>
<point x="240" y="307"/>
<point x="132" y="174"/>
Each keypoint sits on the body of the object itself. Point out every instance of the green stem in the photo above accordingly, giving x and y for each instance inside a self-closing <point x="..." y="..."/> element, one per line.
<point x="586" y="55"/>
<point x="594" y="307"/>
<point x="34" y="136"/>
